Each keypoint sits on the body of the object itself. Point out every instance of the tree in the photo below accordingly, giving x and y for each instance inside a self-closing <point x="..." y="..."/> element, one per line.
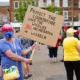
<point x="53" y="9"/>
<point x="23" y="6"/>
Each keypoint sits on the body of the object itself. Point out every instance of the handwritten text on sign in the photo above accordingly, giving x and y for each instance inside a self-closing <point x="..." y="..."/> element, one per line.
<point x="41" y="25"/>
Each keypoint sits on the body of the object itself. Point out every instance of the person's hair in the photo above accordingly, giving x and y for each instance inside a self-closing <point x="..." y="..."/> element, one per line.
<point x="17" y="31"/>
<point x="70" y="35"/>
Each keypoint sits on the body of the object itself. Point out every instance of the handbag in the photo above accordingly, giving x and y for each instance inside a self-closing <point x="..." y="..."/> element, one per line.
<point x="12" y="72"/>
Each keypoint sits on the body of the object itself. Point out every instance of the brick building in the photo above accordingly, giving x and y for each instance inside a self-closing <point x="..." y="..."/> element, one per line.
<point x="70" y="10"/>
<point x="4" y="12"/>
<point x="14" y="4"/>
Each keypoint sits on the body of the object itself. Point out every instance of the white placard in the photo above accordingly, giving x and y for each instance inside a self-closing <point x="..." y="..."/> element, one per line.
<point x="41" y="26"/>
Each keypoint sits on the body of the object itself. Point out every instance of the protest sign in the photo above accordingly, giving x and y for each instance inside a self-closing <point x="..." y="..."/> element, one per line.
<point x="41" y="26"/>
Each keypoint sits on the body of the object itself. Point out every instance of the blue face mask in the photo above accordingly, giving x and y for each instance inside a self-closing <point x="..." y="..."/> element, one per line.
<point x="8" y="34"/>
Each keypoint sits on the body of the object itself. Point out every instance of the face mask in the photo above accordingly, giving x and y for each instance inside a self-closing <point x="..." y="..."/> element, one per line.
<point x="8" y="34"/>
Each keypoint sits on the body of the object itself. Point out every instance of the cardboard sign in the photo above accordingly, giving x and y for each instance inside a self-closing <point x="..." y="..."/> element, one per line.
<point x="41" y="26"/>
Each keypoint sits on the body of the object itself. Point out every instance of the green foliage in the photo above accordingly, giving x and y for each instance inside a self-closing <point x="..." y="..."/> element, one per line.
<point x="20" y="14"/>
<point x="23" y="8"/>
<point x="53" y="9"/>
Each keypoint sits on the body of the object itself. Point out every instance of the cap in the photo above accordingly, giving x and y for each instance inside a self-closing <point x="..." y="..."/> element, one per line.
<point x="65" y="27"/>
<point x="70" y="31"/>
<point x="7" y="27"/>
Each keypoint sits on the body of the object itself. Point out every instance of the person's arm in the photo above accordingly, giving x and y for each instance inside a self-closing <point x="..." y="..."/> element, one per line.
<point x="78" y="47"/>
<point x="16" y="57"/>
<point x="26" y="51"/>
<point x="78" y="44"/>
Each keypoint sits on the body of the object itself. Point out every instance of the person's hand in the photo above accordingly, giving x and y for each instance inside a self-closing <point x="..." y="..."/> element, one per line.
<point x="35" y="46"/>
<point x="27" y="60"/>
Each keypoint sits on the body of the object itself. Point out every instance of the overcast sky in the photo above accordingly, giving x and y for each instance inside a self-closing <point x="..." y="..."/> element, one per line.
<point x="4" y="0"/>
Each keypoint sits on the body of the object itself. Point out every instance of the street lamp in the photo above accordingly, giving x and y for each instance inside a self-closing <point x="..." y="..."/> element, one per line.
<point x="72" y="14"/>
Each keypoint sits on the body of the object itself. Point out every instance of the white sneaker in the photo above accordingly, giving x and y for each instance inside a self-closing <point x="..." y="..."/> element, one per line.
<point x="55" y="60"/>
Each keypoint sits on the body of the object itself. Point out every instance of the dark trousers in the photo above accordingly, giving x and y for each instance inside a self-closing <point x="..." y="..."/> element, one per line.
<point x="71" y="67"/>
<point x="53" y="51"/>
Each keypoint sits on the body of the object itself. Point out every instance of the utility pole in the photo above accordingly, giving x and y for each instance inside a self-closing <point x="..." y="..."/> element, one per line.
<point x="9" y="15"/>
<point x="72" y="13"/>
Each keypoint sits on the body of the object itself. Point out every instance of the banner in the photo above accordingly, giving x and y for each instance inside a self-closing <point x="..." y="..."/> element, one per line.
<point x="41" y="26"/>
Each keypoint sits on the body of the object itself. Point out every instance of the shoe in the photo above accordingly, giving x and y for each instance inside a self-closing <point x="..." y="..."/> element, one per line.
<point x="55" y="60"/>
<point x="29" y="75"/>
<point x="30" y="63"/>
<point x="26" y="76"/>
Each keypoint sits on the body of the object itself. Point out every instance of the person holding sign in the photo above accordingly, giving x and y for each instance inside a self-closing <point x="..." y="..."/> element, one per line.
<point x="71" y="48"/>
<point x="11" y="50"/>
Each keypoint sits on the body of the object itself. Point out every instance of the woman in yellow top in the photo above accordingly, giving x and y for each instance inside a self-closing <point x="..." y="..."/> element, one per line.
<point x="71" y="48"/>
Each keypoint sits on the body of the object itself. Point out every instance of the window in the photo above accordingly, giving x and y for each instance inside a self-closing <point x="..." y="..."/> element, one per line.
<point x="40" y="3"/>
<point x="5" y="18"/>
<point x="79" y="3"/>
<point x="79" y="16"/>
<point x="65" y="3"/>
<point x="57" y="3"/>
<point x="65" y="14"/>
<point x="15" y="18"/>
<point x="48" y="2"/>
<point x="24" y="3"/>
<point x="16" y="4"/>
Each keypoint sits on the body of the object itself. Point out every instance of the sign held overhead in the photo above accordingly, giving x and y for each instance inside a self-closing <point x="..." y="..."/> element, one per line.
<point x="41" y="26"/>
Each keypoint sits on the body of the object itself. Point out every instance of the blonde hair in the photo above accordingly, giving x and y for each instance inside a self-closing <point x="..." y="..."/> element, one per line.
<point x="70" y="32"/>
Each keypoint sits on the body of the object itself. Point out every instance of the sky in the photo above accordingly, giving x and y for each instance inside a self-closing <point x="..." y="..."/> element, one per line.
<point x="4" y="0"/>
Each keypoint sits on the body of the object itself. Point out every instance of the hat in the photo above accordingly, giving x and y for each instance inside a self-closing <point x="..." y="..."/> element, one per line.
<point x="7" y="27"/>
<point x="70" y="31"/>
<point x="65" y="27"/>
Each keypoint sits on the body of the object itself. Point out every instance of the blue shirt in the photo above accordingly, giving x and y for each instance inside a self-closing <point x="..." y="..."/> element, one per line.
<point x="6" y="61"/>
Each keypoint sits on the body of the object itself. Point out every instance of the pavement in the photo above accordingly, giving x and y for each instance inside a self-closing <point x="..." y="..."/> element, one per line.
<point x="42" y="67"/>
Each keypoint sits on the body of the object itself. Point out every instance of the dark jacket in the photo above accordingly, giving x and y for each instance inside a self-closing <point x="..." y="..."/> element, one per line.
<point x="26" y="42"/>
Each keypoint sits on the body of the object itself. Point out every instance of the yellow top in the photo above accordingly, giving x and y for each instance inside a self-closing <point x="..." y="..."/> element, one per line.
<point x="70" y="49"/>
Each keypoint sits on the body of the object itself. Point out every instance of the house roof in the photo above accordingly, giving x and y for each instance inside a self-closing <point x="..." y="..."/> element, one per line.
<point x="4" y="4"/>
